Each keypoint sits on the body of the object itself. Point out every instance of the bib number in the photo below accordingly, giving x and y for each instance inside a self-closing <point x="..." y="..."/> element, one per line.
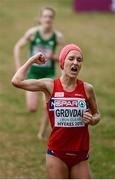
<point x="68" y="112"/>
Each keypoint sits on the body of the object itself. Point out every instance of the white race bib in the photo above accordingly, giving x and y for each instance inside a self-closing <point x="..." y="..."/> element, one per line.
<point x="68" y="112"/>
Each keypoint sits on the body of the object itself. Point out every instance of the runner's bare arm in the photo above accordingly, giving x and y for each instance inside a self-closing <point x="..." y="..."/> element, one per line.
<point x="94" y="117"/>
<point x="19" y="81"/>
<point x="60" y="41"/>
<point x="21" y="43"/>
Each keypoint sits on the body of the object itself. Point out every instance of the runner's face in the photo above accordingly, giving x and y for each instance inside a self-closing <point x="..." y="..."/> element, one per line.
<point x="73" y="63"/>
<point x="47" y="18"/>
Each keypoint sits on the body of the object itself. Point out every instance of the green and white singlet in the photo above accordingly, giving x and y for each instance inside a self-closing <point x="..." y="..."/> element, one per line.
<point x="38" y="44"/>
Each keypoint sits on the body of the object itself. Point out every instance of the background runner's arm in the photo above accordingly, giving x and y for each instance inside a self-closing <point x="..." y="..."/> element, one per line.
<point x="31" y="85"/>
<point x="94" y="117"/>
<point x="21" y="43"/>
<point x="60" y="41"/>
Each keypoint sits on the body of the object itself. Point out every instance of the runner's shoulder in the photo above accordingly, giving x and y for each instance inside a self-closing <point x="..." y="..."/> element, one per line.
<point x="88" y="85"/>
<point x="30" y="32"/>
<point x="88" y="88"/>
<point x="58" y="33"/>
<point x="48" y="84"/>
<point x="59" y="36"/>
<point x="48" y="80"/>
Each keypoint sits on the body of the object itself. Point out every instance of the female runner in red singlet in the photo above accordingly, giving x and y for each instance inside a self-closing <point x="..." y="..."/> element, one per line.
<point x="72" y="107"/>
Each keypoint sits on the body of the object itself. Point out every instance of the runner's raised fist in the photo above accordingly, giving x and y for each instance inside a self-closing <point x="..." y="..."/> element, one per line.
<point x="39" y="58"/>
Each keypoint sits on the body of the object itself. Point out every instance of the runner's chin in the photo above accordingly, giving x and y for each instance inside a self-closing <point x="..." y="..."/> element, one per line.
<point x="73" y="74"/>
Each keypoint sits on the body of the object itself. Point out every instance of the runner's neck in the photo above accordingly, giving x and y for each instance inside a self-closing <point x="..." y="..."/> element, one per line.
<point x="69" y="84"/>
<point x="46" y="30"/>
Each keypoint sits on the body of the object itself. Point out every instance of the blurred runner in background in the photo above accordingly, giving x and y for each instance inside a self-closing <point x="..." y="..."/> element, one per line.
<point x="42" y="38"/>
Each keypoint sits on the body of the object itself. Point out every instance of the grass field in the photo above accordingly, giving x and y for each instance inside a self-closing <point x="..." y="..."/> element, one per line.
<point x="21" y="155"/>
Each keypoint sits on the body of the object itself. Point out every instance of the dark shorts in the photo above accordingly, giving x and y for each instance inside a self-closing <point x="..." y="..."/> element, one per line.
<point x="70" y="158"/>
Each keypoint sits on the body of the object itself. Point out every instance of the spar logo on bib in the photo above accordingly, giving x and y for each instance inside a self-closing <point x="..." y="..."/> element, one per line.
<point x="68" y="112"/>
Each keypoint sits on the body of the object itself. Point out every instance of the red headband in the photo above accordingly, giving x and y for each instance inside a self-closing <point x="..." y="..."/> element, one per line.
<point x="65" y="51"/>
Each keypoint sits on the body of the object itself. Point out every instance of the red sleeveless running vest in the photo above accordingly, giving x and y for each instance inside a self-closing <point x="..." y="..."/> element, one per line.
<point x="65" y="109"/>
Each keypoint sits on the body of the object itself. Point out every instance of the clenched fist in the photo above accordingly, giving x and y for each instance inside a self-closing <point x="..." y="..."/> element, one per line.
<point x="87" y="118"/>
<point x="39" y="58"/>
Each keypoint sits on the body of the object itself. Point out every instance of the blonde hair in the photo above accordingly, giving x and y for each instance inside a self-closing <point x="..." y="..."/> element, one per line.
<point x="47" y="8"/>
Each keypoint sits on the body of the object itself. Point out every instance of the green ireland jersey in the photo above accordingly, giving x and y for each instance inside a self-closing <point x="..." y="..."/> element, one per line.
<point x="38" y="44"/>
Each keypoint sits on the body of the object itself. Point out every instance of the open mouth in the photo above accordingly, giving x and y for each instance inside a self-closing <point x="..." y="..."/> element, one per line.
<point x="74" y="69"/>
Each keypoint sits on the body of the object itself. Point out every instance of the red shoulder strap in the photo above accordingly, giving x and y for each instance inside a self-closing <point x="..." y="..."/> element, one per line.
<point x="82" y="88"/>
<point x="57" y="86"/>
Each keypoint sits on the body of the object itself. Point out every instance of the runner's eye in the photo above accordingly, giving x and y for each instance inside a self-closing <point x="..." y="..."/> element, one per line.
<point x="71" y="58"/>
<point x="48" y="16"/>
<point x="79" y="59"/>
